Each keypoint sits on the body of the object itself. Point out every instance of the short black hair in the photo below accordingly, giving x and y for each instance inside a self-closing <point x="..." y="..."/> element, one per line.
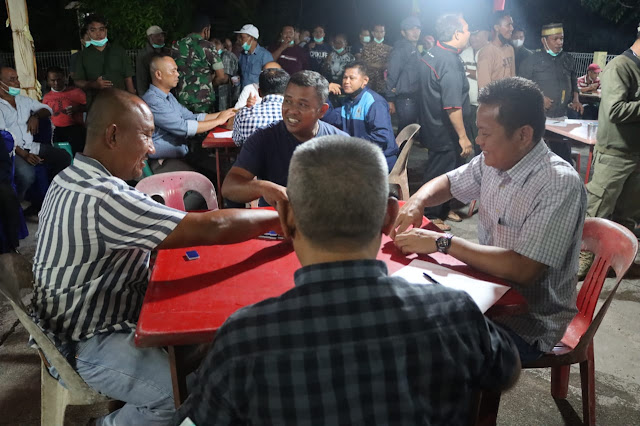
<point x="447" y="25"/>
<point x="520" y="29"/>
<point x="362" y="67"/>
<point x="54" y="70"/>
<point x="200" y="22"/>
<point x="313" y="79"/>
<point x="94" y="17"/>
<point x="520" y="103"/>
<point x="498" y="16"/>
<point x="273" y="81"/>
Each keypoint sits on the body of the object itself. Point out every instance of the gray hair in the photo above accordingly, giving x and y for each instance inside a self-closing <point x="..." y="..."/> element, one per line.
<point x="313" y="79"/>
<point x="338" y="189"/>
<point x="447" y="25"/>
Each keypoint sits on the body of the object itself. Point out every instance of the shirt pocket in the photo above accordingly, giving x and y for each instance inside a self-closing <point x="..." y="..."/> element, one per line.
<point x="506" y="236"/>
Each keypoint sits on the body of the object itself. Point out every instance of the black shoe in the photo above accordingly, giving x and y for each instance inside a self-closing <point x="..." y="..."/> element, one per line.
<point x="31" y="211"/>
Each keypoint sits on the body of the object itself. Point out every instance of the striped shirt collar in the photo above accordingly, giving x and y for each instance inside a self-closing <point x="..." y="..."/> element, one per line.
<point x="528" y="163"/>
<point x="345" y="270"/>
<point x="90" y="165"/>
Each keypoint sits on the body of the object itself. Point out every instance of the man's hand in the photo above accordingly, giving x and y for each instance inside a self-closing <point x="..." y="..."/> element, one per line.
<point x="392" y="107"/>
<point x="410" y="214"/>
<point x="33" y="124"/>
<point x="102" y="83"/>
<point x="252" y="100"/>
<point x="577" y="106"/>
<point x="227" y="114"/>
<point x="417" y="240"/>
<point x="466" y="146"/>
<point x="548" y="103"/>
<point x="273" y="193"/>
<point x="311" y="45"/>
<point x="335" y="88"/>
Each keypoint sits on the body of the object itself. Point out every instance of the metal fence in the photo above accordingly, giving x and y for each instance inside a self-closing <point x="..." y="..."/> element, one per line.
<point x="45" y="60"/>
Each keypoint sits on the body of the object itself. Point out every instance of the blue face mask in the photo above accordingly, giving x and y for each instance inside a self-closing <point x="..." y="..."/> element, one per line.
<point x="99" y="43"/>
<point x="366" y="39"/>
<point x="339" y="50"/>
<point x="13" y="91"/>
<point x="246" y="47"/>
<point x="157" y="46"/>
<point x="318" y="40"/>
<point x="378" y="40"/>
<point x="219" y="51"/>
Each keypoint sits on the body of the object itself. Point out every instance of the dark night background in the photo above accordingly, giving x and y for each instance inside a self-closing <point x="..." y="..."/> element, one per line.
<point x="54" y="28"/>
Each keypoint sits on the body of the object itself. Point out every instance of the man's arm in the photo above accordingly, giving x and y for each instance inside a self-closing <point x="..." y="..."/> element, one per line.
<point x="214" y="120"/>
<point x="483" y="69"/>
<point x="241" y="187"/>
<point x="226" y="226"/>
<point x="128" y="82"/>
<point x="457" y="120"/>
<point x="278" y="50"/>
<point x="393" y="75"/>
<point x="615" y="86"/>
<point x="379" y="128"/>
<point x="220" y="77"/>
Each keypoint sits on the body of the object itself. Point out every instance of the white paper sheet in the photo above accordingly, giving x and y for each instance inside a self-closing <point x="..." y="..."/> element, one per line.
<point x="222" y="135"/>
<point x="484" y="293"/>
<point x="558" y="122"/>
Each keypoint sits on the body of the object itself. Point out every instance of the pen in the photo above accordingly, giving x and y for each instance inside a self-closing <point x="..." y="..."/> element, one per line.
<point x="430" y="278"/>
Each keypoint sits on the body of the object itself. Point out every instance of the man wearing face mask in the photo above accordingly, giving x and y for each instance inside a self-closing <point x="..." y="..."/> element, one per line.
<point x="291" y="57"/>
<point x="554" y="71"/>
<point x="364" y="38"/>
<point x="403" y="74"/>
<point x="85" y="41"/>
<point x="20" y="115"/>
<point x="200" y="68"/>
<point x="497" y="60"/>
<point x="102" y="65"/>
<point x="337" y="60"/>
<point x="227" y="93"/>
<point x="155" y="44"/>
<point x="376" y="56"/>
<point x="253" y="56"/>
<point x="517" y="41"/>
<point x="318" y="49"/>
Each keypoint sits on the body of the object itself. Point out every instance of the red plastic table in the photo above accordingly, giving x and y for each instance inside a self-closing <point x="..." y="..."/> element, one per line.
<point x="221" y="147"/>
<point x="187" y="301"/>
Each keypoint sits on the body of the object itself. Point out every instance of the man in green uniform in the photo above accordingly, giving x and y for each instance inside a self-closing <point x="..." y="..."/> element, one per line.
<point x="614" y="189"/>
<point x="102" y="65"/>
<point x="554" y="72"/>
<point x="200" y="68"/>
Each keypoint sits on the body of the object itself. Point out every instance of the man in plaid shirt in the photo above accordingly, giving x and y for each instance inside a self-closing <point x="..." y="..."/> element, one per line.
<point x="272" y="82"/>
<point x="348" y="344"/>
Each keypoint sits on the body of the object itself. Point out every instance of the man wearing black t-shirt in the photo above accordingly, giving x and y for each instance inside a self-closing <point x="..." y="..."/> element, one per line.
<point x="266" y="153"/>
<point x="445" y="107"/>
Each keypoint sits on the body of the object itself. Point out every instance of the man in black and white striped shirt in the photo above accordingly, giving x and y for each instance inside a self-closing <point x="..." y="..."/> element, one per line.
<point x="92" y="260"/>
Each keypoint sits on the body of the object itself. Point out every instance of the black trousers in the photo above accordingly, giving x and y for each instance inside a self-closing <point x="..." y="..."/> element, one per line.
<point x="75" y="135"/>
<point x="9" y="214"/>
<point x="439" y="163"/>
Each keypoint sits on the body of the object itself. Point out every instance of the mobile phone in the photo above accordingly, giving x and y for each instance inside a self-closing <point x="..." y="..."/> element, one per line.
<point x="192" y="255"/>
<point x="271" y="235"/>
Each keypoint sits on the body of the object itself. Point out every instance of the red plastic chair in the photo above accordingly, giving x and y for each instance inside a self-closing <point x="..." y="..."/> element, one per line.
<point x="172" y="186"/>
<point x="616" y="247"/>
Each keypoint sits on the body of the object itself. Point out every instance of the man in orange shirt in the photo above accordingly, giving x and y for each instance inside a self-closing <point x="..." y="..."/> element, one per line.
<point x="68" y="105"/>
<point x="497" y="59"/>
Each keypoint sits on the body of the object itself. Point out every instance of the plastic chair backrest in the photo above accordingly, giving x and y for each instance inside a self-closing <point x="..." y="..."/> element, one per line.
<point x="172" y="186"/>
<point x="614" y="246"/>
<point x="398" y="174"/>
<point x="15" y="273"/>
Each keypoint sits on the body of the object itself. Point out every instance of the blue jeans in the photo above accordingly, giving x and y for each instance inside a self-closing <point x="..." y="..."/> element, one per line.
<point x="527" y="352"/>
<point x="112" y="365"/>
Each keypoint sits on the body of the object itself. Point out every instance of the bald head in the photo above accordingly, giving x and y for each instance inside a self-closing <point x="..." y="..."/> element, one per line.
<point x="269" y="65"/>
<point x="119" y="132"/>
<point x="164" y="72"/>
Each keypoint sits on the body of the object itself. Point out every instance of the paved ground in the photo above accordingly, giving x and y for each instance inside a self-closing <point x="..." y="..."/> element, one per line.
<point x="617" y="351"/>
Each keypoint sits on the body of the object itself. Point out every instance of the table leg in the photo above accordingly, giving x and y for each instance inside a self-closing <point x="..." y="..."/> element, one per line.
<point x="586" y="177"/>
<point x="218" y="182"/>
<point x="178" y="375"/>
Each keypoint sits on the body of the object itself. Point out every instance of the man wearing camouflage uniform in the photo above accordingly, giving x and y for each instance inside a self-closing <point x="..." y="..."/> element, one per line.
<point x="200" y="68"/>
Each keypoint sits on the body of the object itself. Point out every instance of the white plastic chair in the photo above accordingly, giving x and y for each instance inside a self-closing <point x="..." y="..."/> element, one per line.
<point x="15" y="273"/>
<point x="398" y="174"/>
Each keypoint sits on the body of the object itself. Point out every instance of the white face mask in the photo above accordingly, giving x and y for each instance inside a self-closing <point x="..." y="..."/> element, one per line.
<point x="517" y="43"/>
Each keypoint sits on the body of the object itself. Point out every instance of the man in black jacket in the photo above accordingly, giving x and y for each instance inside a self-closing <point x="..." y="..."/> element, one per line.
<point x="402" y="74"/>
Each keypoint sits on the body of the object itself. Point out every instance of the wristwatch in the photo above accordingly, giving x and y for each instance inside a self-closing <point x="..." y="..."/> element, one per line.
<point x="443" y="243"/>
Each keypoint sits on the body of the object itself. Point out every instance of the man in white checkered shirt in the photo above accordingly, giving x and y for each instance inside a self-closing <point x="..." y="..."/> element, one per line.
<point x="273" y="82"/>
<point x="531" y="215"/>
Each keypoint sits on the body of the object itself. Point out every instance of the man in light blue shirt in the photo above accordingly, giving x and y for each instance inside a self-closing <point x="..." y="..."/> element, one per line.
<point x="174" y="124"/>
<point x="273" y="82"/>
<point x="253" y="56"/>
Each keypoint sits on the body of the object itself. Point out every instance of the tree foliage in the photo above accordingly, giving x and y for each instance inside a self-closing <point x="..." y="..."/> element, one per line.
<point x="128" y="19"/>
<point x="615" y="10"/>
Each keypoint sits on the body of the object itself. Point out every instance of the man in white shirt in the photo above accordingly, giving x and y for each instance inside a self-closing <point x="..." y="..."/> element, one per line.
<point x="21" y="115"/>
<point x="469" y="56"/>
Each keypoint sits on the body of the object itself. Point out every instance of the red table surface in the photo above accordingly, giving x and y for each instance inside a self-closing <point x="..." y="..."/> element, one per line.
<point x="213" y="142"/>
<point x="187" y="301"/>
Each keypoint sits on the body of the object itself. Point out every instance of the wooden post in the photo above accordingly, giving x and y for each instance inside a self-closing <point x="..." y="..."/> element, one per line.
<point x="23" y="48"/>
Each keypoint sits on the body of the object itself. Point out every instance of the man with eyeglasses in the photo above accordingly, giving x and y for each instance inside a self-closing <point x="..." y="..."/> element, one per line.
<point x="266" y="154"/>
<point x="102" y="65"/>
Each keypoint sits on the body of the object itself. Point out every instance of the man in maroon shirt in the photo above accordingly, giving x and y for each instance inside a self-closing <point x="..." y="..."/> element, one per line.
<point x="291" y="57"/>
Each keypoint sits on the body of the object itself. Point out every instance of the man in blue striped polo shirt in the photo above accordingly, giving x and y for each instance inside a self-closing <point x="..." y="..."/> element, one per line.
<point x="91" y="264"/>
